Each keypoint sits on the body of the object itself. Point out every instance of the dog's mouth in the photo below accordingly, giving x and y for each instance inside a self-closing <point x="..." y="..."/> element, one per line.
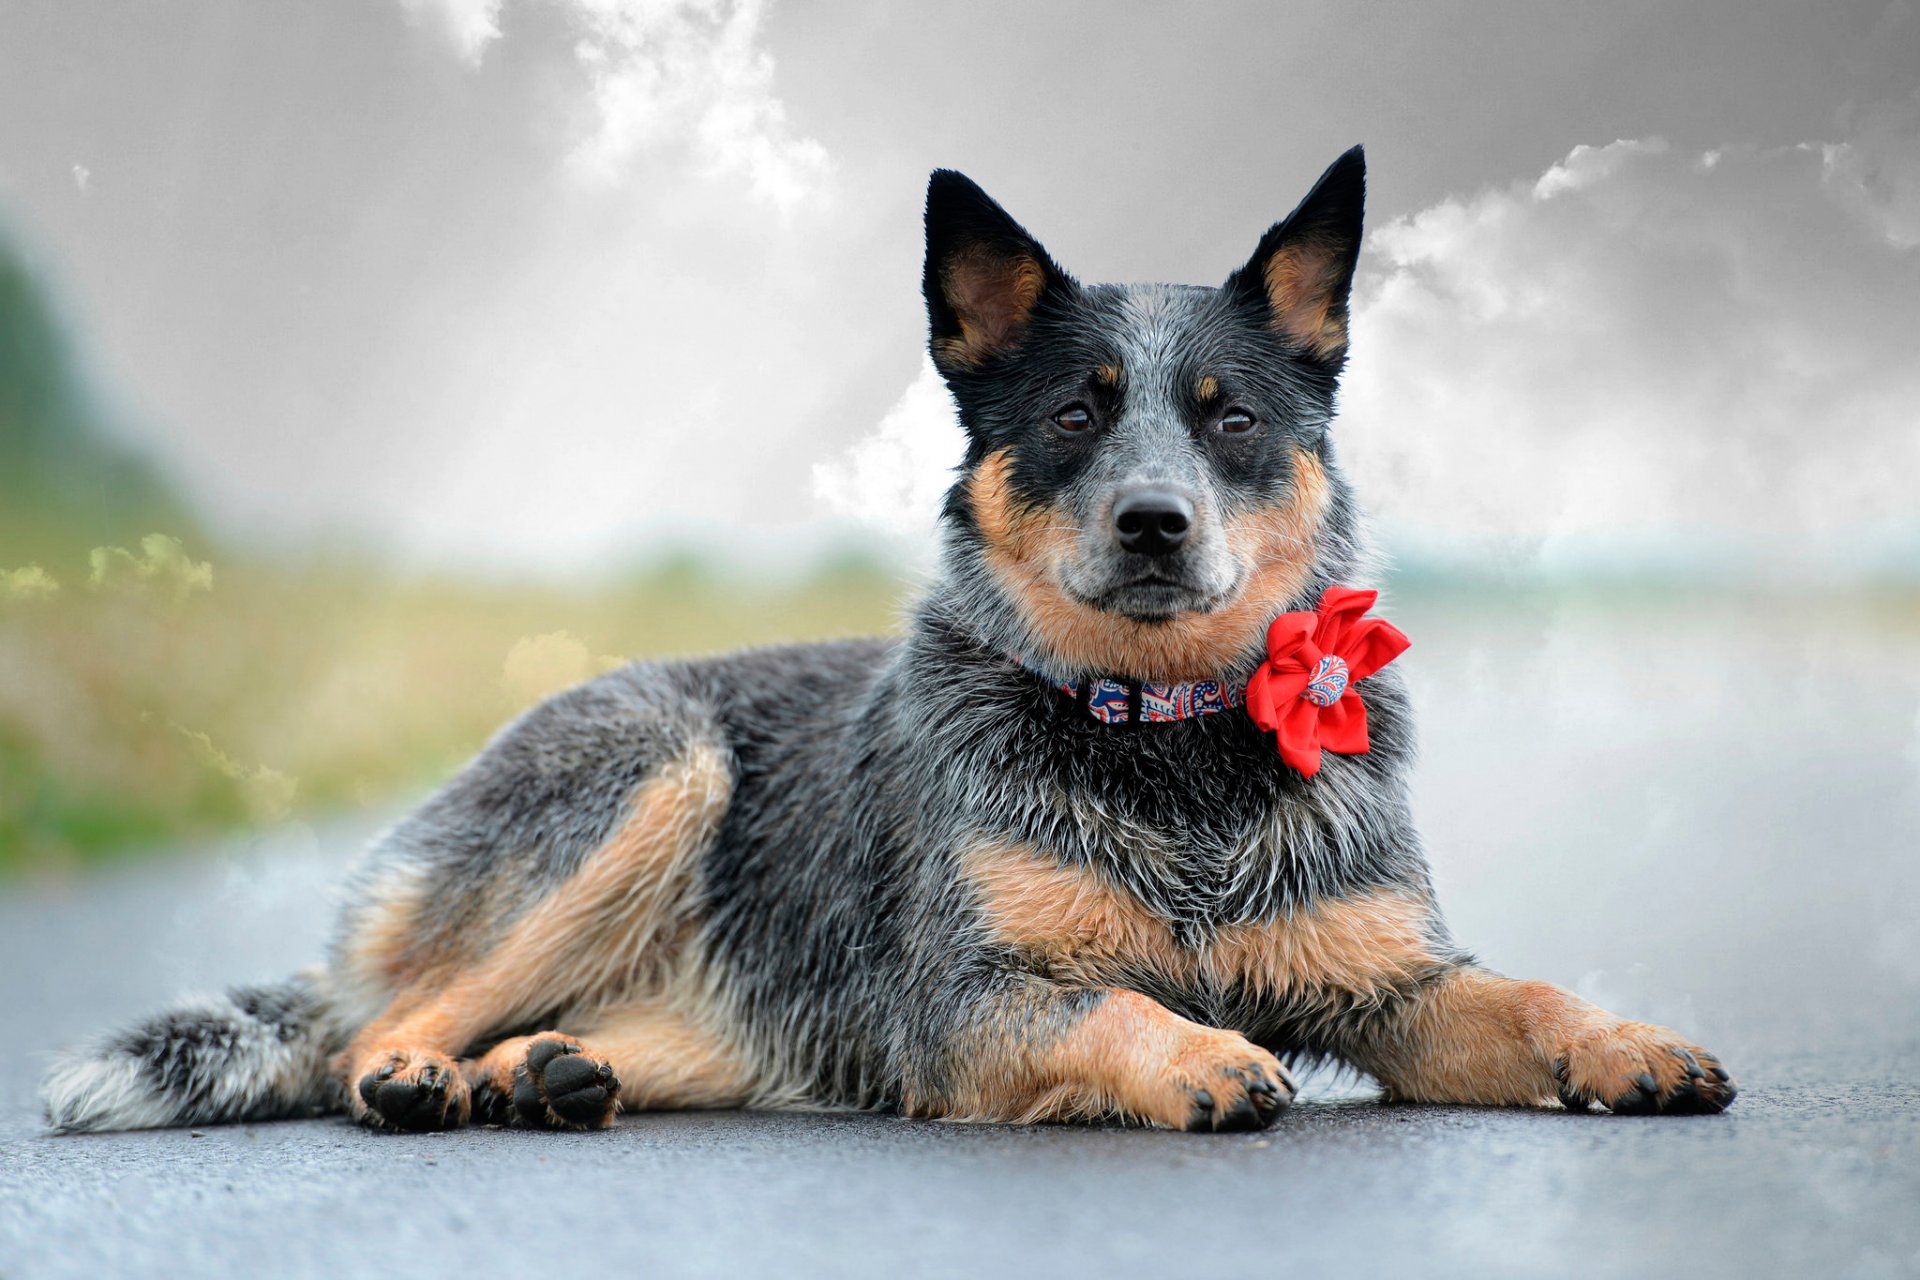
<point x="1157" y="596"/>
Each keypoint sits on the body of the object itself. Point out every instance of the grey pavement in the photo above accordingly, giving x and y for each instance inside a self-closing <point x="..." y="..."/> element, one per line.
<point x="1721" y="837"/>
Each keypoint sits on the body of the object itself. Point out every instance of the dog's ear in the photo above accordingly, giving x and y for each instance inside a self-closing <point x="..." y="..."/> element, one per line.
<point x="1300" y="275"/>
<point x="984" y="275"/>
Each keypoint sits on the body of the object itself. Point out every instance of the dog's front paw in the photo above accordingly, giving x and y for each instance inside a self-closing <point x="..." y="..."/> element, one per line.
<point x="1632" y="1068"/>
<point x="1222" y="1081"/>
<point x="412" y="1089"/>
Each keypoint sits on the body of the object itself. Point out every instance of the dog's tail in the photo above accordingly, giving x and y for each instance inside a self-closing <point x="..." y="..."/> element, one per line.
<point x="255" y="1053"/>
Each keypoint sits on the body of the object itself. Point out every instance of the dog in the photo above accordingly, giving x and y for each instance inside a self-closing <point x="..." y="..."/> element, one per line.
<point x="1117" y="829"/>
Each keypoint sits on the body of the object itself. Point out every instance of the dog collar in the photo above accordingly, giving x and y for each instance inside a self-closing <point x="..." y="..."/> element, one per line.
<point x="1113" y="701"/>
<point x="1302" y="693"/>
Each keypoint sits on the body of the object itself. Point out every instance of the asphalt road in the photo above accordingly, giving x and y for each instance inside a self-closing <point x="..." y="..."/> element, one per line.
<point x="1733" y="856"/>
<point x="1814" y="1172"/>
<point x="1812" y="1177"/>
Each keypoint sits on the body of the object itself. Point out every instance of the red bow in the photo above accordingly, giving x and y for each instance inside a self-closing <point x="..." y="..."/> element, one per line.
<point x="1301" y="691"/>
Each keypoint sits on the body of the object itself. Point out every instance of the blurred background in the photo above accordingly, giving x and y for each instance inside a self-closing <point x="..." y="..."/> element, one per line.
<point x="370" y="369"/>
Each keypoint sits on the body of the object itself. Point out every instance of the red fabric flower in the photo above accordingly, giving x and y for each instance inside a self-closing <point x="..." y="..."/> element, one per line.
<point x="1303" y="692"/>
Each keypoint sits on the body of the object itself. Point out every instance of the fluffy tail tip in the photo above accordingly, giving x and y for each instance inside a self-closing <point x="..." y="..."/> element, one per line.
<point x="92" y="1092"/>
<point x="255" y="1053"/>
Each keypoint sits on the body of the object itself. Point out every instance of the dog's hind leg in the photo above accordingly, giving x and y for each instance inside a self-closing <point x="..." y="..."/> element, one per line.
<point x="649" y="1056"/>
<point x="549" y="1081"/>
<point x="615" y="926"/>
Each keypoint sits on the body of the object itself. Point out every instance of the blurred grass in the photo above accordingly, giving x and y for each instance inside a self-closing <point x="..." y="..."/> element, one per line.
<point x="154" y="708"/>
<point x="155" y="692"/>
<point x="150" y="698"/>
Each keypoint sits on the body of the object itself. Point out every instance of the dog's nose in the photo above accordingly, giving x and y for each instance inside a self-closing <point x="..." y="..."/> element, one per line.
<point x="1152" y="522"/>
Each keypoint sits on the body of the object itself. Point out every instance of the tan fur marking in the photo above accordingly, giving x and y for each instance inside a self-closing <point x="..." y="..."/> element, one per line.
<point x="1207" y="388"/>
<point x="1085" y="930"/>
<point x="993" y="295"/>
<point x="1300" y="284"/>
<point x="1026" y="547"/>
<point x="667" y="1059"/>
<point x="1128" y="1056"/>
<point x="390" y="952"/>
<point x="1107" y="375"/>
<point x="1476" y="1037"/>
<point x="1023" y="534"/>
<point x="614" y="927"/>
<point x="1364" y="946"/>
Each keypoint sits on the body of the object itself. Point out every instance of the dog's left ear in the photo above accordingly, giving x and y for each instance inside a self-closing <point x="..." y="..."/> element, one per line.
<point x="1300" y="275"/>
<point x="984" y="277"/>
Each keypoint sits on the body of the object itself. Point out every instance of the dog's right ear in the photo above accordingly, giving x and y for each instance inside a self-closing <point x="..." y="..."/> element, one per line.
<point x="984" y="275"/>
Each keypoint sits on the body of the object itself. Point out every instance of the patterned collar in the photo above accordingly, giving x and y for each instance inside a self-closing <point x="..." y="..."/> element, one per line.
<point x="1302" y="693"/>
<point x="1113" y="701"/>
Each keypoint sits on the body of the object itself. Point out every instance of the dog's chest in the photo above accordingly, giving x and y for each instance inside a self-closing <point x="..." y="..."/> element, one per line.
<point x="1204" y="840"/>
<point x="1076" y="923"/>
<point x="1181" y="857"/>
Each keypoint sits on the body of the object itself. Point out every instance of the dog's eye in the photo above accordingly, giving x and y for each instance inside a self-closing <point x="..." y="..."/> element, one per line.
<point x="1073" y="419"/>
<point x="1236" y="422"/>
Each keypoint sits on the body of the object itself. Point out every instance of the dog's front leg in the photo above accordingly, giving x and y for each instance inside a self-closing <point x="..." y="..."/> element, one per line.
<point x="1472" y="1036"/>
<point x="1026" y="1049"/>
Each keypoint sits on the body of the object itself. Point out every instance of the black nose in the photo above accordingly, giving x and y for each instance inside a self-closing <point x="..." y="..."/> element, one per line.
<point x="1152" y="522"/>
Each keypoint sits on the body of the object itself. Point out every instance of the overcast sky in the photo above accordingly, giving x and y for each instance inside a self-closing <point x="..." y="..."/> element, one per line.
<point x="540" y="282"/>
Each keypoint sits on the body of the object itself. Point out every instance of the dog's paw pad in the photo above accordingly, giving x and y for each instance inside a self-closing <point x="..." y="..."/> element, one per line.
<point x="558" y="1086"/>
<point x="413" y="1091"/>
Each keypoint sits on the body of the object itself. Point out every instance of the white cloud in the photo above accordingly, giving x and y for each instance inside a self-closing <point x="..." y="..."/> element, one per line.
<point x="1648" y="342"/>
<point x="894" y="478"/>
<point x="1586" y="166"/>
<point x="692" y="73"/>
<point x="683" y="77"/>
<point x="471" y="25"/>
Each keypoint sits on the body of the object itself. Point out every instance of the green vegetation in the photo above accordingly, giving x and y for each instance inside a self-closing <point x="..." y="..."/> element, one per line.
<point x="155" y="689"/>
<point x="158" y="707"/>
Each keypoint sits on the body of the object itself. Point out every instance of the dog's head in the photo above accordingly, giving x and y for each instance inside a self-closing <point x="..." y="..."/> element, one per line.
<point x="1147" y="481"/>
